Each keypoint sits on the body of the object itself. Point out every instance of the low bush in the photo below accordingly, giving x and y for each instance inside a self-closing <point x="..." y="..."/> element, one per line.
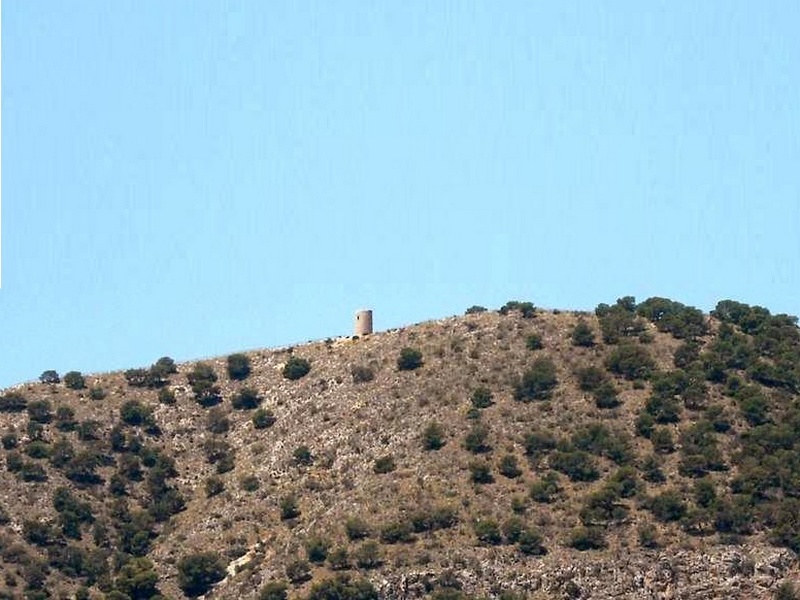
<point x="409" y="359"/>
<point x="273" y="590"/>
<point x="50" y="376"/>
<point x="534" y="342"/>
<point x="582" y="335"/>
<point x="13" y="402"/>
<point x="480" y="472"/>
<point x="197" y="573"/>
<point x="296" y="368"/>
<point x="630" y="361"/>
<point x="397" y="532"/>
<point x="362" y="373"/>
<point x="538" y="382"/>
<point x="263" y="418"/>
<point x="384" y="464"/>
<point x="298" y="571"/>
<point x="545" y="490"/>
<point x="488" y="532"/>
<point x="356" y="528"/>
<point x="476" y="439"/>
<point x="246" y="399"/>
<point x="509" y="467"/>
<point x="238" y="366"/>
<point x="481" y="397"/>
<point x="587" y="538"/>
<point x="74" y="380"/>
<point x="433" y="436"/>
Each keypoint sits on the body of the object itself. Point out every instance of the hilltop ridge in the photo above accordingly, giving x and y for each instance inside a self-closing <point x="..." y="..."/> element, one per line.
<point x="642" y="450"/>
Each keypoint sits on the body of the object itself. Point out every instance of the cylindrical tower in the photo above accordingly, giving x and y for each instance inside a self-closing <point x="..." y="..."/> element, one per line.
<point x="363" y="323"/>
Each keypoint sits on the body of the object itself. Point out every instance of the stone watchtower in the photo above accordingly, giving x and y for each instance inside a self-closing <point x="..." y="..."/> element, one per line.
<point x="363" y="323"/>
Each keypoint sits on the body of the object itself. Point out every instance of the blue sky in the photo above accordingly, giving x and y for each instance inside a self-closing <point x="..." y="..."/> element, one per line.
<point x="191" y="178"/>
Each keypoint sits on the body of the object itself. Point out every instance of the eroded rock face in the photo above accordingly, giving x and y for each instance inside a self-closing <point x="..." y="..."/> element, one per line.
<point x="733" y="572"/>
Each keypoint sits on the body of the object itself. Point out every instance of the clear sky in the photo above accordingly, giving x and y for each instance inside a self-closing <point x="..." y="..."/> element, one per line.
<point x="191" y="178"/>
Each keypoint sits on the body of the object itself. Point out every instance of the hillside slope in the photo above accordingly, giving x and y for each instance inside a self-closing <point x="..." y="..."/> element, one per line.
<point x="652" y="453"/>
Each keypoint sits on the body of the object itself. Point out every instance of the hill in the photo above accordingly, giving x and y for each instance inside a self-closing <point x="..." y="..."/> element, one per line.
<point x="641" y="451"/>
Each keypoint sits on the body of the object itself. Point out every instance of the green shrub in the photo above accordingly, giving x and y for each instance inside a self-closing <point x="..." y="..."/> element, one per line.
<point x="409" y="359"/>
<point x="396" y="532"/>
<point x="166" y="396"/>
<point x="263" y="418"/>
<point x="298" y="571"/>
<point x="630" y="361"/>
<point x="534" y="342"/>
<point x="526" y="309"/>
<point x="302" y="456"/>
<point x="667" y="506"/>
<point x="663" y="409"/>
<point x="686" y="354"/>
<point x="577" y="465"/>
<point x="37" y="449"/>
<point x="582" y="335"/>
<point x="538" y="443"/>
<point x="164" y="366"/>
<point x="476" y="309"/>
<point x="475" y="440"/>
<point x="246" y="399"/>
<point x="651" y="469"/>
<point x="13" y="402"/>
<point x="673" y="317"/>
<point x="368" y="555"/>
<point x="546" y="489"/>
<point x="787" y="590"/>
<point x="538" y="382"/>
<point x="603" y="507"/>
<point x="249" y="483"/>
<point x="133" y="412"/>
<point x="587" y="538"/>
<point x="97" y="393"/>
<point x="356" y="528"/>
<point x="384" y="464"/>
<point x="317" y="549"/>
<point x="214" y="486"/>
<point x="289" y="508"/>
<point x="273" y="590"/>
<point x="590" y="378"/>
<point x="296" y="368"/>
<point x="40" y="411"/>
<point x="197" y="573"/>
<point x="431" y="519"/>
<point x="217" y="421"/>
<point x="65" y="418"/>
<point x="480" y="472"/>
<point x="202" y="378"/>
<point x="648" y="536"/>
<point x="339" y="559"/>
<point x="662" y="440"/>
<point x="605" y="396"/>
<point x="481" y="397"/>
<point x="362" y="373"/>
<point x="529" y="542"/>
<point x="600" y="440"/>
<point x="509" y="467"/>
<point x="342" y="587"/>
<point x="433" y="436"/>
<point x="10" y="440"/>
<point x="238" y="366"/>
<point x="74" y="380"/>
<point x="488" y="532"/>
<point x="49" y="376"/>
<point x="137" y="579"/>
<point x="705" y="493"/>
